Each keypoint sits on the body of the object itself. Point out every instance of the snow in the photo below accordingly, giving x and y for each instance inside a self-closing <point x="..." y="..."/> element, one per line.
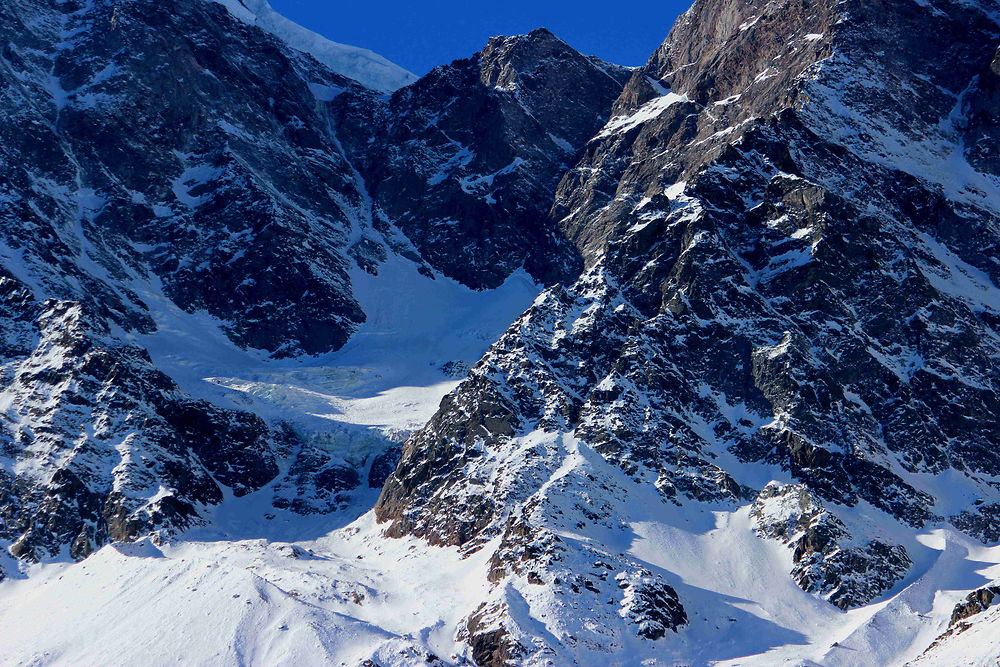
<point x="364" y="66"/>
<point x="330" y="589"/>
<point x="933" y="153"/>
<point x="723" y="571"/>
<point x="339" y="600"/>
<point x="324" y="93"/>
<point x="563" y="145"/>
<point x="389" y="378"/>
<point x="958" y="279"/>
<point x="190" y="179"/>
<point x="676" y="190"/>
<point x="342" y="595"/>
<point x="462" y="157"/>
<point x="60" y="97"/>
<point x="648" y="111"/>
<point x="474" y="185"/>
<point x="977" y="646"/>
<point x="235" y="591"/>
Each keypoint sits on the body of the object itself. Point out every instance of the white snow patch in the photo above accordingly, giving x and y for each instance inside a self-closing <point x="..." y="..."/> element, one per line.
<point x="648" y="111"/>
<point x="958" y="279"/>
<point x="676" y="190"/>
<point x="342" y="599"/>
<point x="388" y="377"/>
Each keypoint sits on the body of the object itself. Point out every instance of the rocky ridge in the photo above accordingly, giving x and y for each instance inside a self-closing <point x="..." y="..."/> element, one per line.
<point x="790" y="277"/>
<point x="465" y="161"/>
<point x="759" y="394"/>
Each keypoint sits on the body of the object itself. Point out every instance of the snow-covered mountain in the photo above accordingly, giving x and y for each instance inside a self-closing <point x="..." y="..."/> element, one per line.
<point x="203" y="295"/>
<point x="534" y="360"/>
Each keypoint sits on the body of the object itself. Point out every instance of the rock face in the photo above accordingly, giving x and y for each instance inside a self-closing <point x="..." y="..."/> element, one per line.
<point x="466" y="160"/>
<point x="826" y="561"/>
<point x="789" y="231"/>
<point x="101" y="446"/>
<point x="976" y="603"/>
<point x="153" y="153"/>
<point x="172" y="162"/>
<point x="970" y="635"/>
<point x="179" y="145"/>
<point x="766" y="358"/>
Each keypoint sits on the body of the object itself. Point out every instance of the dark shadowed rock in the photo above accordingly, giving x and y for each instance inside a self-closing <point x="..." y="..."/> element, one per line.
<point x="466" y="160"/>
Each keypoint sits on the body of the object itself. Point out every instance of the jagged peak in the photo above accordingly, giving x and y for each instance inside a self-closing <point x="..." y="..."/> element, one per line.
<point x="505" y="58"/>
<point x="537" y="36"/>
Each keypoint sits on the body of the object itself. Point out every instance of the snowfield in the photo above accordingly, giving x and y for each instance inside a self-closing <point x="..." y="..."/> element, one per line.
<point x="238" y="592"/>
<point x="351" y="594"/>
<point x="421" y="336"/>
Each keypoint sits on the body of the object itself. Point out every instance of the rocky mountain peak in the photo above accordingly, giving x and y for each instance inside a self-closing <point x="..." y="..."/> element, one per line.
<point x="720" y="49"/>
<point x="552" y="79"/>
<point x="473" y="151"/>
<point x="684" y="363"/>
<point x="769" y="223"/>
<point x="506" y="58"/>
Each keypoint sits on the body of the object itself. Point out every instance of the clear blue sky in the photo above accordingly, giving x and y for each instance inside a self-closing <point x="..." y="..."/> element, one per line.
<point x="420" y="35"/>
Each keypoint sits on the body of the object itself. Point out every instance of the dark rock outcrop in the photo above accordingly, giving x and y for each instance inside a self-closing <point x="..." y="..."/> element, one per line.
<point x="101" y="446"/>
<point x="976" y="603"/>
<point x="828" y="559"/>
<point x="465" y="161"/>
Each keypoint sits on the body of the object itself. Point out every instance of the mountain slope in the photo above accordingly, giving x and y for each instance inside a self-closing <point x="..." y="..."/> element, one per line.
<point x="367" y="68"/>
<point x="789" y="308"/>
<point x="465" y="161"/>
<point x="188" y="247"/>
<point x="750" y="418"/>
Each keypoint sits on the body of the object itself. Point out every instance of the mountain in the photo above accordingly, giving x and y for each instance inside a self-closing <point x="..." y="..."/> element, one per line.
<point x="534" y="360"/>
<point x="465" y="161"/>
<point x="786" y="322"/>
<point x="188" y="244"/>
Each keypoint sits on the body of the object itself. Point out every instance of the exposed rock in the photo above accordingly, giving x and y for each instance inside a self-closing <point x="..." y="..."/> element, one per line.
<point x="465" y="161"/>
<point x="967" y="615"/>
<point x="651" y="605"/>
<point x="771" y="254"/>
<point x="490" y="648"/>
<point x="976" y="603"/>
<point x="981" y="521"/>
<point x="91" y="426"/>
<point x="163" y="161"/>
<point x="782" y="281"/>
<point x="847" y="569"/>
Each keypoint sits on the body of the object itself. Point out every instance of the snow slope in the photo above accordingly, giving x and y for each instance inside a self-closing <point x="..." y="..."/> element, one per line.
<point x="234" y="592"/>
<point x="420" y="337"/>
<point x="362" y="65"/>
<point x="221" y="603"/>
<point x="586" y="556"/>
<point x="353" y="595"/>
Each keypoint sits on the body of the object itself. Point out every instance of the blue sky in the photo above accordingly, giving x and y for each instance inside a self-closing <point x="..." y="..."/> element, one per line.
<point x="421" y="35"/>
